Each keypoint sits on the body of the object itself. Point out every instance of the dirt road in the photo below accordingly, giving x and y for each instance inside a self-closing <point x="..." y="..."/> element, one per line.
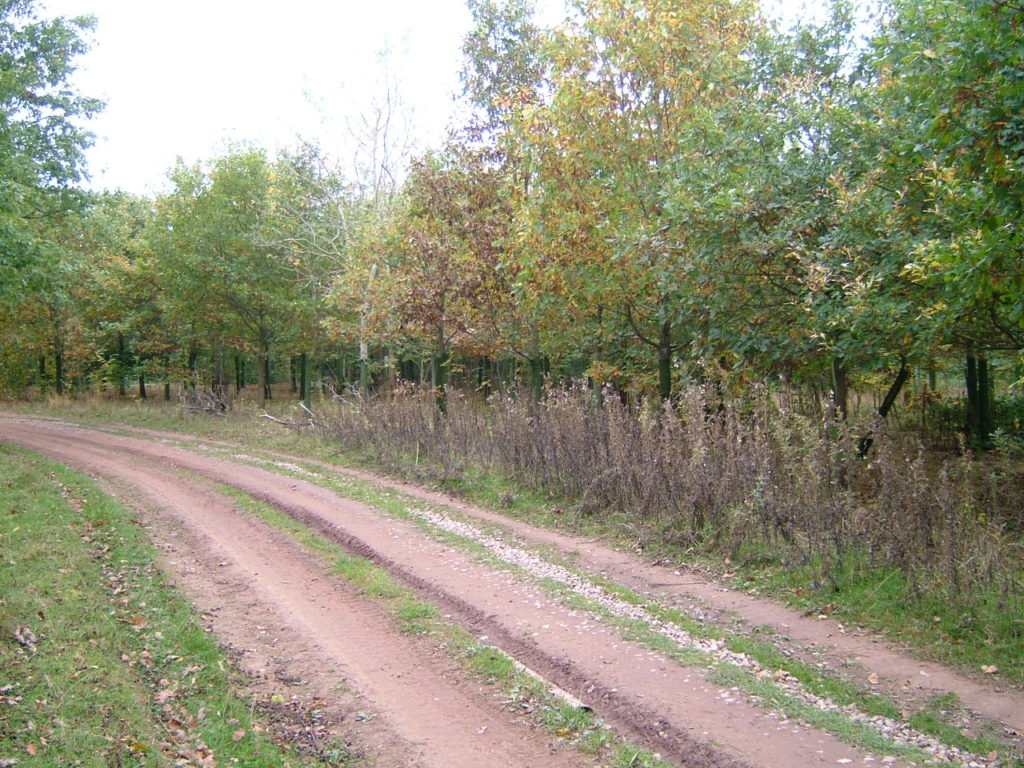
<point x="404" y="700"/>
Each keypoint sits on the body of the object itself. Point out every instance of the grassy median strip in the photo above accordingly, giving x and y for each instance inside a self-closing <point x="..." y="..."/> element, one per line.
<point x="522" y="692"/>
<point x="101" y="662"/>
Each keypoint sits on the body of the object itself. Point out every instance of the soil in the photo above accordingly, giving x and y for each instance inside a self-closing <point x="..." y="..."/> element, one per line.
<point x="401" y="700"/>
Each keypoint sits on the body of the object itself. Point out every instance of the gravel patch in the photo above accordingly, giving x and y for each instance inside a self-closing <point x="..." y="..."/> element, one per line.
<point x="717" y="650"/>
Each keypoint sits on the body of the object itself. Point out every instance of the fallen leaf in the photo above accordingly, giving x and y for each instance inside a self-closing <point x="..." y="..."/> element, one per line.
<point x="31" y="749"/>
<point x="238" y="735"/>
<point x="989" y="669"/>
<point x="162" y="697"/>
<point x="873" y="678"/>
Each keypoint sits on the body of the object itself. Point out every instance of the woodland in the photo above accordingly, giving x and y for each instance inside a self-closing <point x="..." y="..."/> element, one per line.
<point x="678" y="241"/>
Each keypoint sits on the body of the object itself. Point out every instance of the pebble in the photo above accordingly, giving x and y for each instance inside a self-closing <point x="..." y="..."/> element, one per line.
<point x="900" y="732"/>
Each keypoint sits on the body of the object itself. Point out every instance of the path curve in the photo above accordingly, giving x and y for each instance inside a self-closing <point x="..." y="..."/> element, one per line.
<point x="648" y="698"/>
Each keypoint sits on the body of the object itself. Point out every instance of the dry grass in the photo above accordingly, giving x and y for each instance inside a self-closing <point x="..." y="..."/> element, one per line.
<point x="747" y="479"/>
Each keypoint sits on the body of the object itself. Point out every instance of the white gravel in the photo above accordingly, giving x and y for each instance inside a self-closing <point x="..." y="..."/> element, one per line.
<point x="718" y="650"/>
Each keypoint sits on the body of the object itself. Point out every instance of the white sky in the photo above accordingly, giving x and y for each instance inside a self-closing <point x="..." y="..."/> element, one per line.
<point x="186" y="78"/>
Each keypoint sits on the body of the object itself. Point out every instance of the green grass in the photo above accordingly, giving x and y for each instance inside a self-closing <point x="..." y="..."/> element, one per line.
<point x="987" y="632"/>
<point x="101" y="663"/>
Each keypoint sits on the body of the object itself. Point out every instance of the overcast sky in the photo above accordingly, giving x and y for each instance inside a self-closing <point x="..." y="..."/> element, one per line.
<point x="186" y="78"/>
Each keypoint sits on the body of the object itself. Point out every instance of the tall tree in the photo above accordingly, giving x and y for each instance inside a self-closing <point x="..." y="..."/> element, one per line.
<point x="41" y="140"/>
<point x="442" y="280"/>
<point x="226" y="276"/>
<point x="952" y="93"/>
<point x="634" y="81"/>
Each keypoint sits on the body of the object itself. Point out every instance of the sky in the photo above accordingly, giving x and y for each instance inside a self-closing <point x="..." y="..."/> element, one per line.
<point x="189" y="78"/>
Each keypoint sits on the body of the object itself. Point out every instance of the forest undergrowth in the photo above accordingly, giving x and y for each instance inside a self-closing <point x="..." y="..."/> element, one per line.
<point x="926" y="544"/>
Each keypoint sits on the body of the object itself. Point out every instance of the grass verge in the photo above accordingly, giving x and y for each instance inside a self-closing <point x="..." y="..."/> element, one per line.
<point x="101" y="662"/>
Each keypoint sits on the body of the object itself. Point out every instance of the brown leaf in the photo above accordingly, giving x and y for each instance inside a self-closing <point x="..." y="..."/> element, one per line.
<point x="238" y="735"/>
<point x="989" y="669"/>
<point x="31" y="749"/>
<point x="162" y="697"/>
<point x="873" y="678"/>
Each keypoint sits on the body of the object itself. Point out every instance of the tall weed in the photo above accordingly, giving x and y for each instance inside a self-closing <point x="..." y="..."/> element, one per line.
<point x="749" y="479"/>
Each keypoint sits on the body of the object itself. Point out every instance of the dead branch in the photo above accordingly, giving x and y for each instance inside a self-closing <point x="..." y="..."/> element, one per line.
<point x="282" y="422"/>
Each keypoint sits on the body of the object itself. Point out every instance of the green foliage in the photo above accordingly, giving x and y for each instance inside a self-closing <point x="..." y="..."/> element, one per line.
<point x="41" y="141"/>
<point x="651" y="194"/>
<point x="952" y="76"/>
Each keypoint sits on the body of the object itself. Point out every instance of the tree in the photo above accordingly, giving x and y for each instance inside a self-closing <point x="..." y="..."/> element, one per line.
<point x="41" y="141"/>
<point x="227" y="278"/>
<point x="952" y="88"/>
<point x="634" y="83"/>
<point x="441" y="280"/>
<point x="119" y="305"/>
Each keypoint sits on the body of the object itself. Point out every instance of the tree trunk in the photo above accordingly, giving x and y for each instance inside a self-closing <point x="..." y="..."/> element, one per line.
<point x="971" y="427"/>
<point x="440" y="380"/>
<point x="483" y="382"/>
<point x="665" y="360"/>
<point x="864" y="444"/>
<point x="986" y="386"/>
<point x="142" y="385"/>
<point x="58" y="366"/>
<point x="264" y="380"/>
<point x="122" y="356"/>
<point x="268" y="390"/>
<point x="537" y="378"/>
<point x="894" y="391"/>
<point x="840" y="389"/>
<point x="220" y="379"/>
<point x="304" y="379"/>
<point x="193" y="358"/>
<point x="364" y="368"/>
<point x="239" y="374"/>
